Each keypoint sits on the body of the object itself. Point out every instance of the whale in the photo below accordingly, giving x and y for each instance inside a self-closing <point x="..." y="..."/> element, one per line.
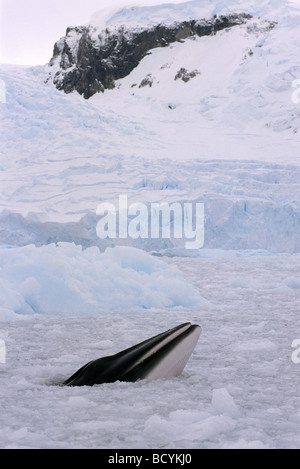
<point x="163" y="356"/>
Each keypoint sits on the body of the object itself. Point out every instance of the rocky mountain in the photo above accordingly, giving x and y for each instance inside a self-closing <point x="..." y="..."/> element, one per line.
<point x="89" y="61"/>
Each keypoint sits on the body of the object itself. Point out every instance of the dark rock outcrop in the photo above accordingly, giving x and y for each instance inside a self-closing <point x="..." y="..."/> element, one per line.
<point x="89" y="62"/>
<point x="185" y="76"/>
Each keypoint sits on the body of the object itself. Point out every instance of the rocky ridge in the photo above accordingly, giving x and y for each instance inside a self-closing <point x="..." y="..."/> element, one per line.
<point x="90" y="61"/>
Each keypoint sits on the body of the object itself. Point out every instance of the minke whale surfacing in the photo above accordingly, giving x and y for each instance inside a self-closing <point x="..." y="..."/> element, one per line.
<point x="162" y="356"/>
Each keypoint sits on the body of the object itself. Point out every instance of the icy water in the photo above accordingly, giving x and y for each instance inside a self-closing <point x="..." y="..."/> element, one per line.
<point x="240" y="388"/>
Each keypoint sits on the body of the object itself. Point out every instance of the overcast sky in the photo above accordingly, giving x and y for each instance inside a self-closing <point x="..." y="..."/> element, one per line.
<point x="29" y="28"/>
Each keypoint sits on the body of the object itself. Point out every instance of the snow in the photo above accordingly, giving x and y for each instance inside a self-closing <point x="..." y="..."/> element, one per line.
<point x="135" y="16"/>
<point x="229" y="138"/>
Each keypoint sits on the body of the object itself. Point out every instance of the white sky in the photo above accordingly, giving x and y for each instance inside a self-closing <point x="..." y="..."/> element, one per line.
<point x="29" y="28"/>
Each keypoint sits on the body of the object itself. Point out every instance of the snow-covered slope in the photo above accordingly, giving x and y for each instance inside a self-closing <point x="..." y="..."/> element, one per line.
<point x="136" y="16"/>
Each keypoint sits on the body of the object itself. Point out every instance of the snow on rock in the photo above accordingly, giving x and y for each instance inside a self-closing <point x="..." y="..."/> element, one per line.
<point x="146" y="15"/>
<point x="65" y="279"/>
<point x="89" y="61"/>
